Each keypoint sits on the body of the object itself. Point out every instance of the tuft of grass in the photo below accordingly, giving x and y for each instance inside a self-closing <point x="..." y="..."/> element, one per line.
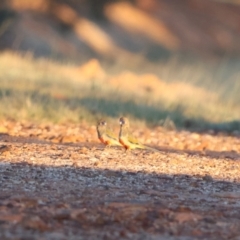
<point x="185" y="94"/>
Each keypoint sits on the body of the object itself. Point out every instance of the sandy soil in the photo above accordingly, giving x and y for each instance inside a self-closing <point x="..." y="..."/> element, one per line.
<point x="58" y="182"/>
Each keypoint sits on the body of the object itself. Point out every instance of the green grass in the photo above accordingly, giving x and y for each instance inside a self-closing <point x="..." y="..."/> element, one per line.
<point x="195" y="94"/>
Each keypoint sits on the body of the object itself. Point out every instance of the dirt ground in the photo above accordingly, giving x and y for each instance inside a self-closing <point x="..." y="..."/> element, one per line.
<point x="58" y="182"/>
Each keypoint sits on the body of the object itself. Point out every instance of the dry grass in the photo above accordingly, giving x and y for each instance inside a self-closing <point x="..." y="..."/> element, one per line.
<point x="187" y="93"/>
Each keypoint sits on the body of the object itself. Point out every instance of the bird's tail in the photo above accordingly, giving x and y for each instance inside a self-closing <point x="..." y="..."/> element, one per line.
<point x="141" y="146"/>
<point x="150" y="148"/>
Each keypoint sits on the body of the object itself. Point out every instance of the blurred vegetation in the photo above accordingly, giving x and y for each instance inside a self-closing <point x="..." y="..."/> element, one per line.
<point x="155" y="29"/>
<point x="43" y="90"/>
<point x="169" y="63"/>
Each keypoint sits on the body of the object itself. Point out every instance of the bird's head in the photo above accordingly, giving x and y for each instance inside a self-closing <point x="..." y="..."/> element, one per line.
<point x="101" y="124"/>
<point x="124" y="122"/>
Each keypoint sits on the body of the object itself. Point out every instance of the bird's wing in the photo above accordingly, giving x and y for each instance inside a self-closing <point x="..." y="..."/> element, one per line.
<point x="110" y="134"/>
<point x="139" y="145"/>
<point x="135" y="141"/>
<point x="113" y="138"/>
<point x="132" y="139"/>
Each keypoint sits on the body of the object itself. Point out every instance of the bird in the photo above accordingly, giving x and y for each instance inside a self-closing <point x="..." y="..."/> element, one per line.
<point x="128" y="141"/>
<point x="105" y="135"/>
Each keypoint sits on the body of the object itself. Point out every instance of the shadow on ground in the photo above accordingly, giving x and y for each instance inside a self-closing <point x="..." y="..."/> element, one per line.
<point x="70" y="201"/>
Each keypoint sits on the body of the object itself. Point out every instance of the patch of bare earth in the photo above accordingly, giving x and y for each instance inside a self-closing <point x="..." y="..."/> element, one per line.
<point x="58" y="182"/>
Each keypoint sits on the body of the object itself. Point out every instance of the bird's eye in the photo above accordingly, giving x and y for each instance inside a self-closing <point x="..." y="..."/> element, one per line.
<point x="103" y="123"/>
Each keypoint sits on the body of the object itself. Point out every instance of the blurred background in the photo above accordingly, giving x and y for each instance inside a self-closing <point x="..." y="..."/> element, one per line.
<point x="164" y="63"/>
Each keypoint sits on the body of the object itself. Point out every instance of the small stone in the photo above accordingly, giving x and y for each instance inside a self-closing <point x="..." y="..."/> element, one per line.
<point x="93" y="159"/>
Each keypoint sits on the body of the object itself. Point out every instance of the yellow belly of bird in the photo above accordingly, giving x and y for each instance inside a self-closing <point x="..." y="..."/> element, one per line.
<point x="104" y="141"/>
<point x="128" y="145"/>
<point x="124" y="144"/>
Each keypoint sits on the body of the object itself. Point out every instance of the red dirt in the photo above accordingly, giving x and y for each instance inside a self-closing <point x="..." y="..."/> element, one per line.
<point x="79" y="190"/>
